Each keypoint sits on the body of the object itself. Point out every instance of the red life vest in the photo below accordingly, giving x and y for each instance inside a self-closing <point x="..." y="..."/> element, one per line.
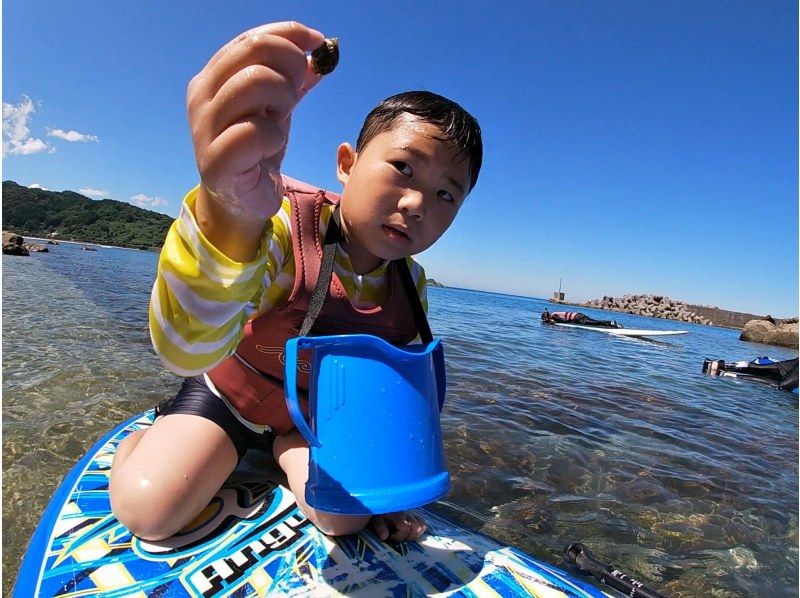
<point x="252" y="378"/>
<point x="565" y="316"/>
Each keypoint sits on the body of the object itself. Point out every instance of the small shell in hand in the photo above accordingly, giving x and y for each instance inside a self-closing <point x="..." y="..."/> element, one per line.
<point x="325" y="58"/>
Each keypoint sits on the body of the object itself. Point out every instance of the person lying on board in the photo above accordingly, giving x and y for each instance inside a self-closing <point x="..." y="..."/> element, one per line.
<point x="237" y="268"/>
<point x="574" y="317"/>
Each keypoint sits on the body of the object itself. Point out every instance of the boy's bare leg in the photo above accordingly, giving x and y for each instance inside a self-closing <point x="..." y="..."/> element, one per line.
<point x="291" y="453"/>
<point x="165" y="476"/>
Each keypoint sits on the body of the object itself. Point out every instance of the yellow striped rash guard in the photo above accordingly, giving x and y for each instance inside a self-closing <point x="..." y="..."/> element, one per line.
<point x="202" y="299"/>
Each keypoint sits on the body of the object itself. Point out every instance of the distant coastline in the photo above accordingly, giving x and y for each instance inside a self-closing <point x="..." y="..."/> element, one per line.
<point x="662" y="307"/>
<point x="721" y="318"/>
<point x="92" y="243"/>
<point x="71" y="217"/>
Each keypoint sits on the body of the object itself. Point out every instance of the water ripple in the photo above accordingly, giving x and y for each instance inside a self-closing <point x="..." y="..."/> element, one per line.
<point x="552" y="435"/>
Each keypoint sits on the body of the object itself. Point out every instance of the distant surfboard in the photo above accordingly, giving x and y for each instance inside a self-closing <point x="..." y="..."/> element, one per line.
<point x="625" y="331"/>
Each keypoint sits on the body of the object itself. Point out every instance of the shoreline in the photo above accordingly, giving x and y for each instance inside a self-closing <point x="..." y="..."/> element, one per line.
<point x="719" y="318"/>
<point x="92" y="243"/>
<point x="574" y="304"/>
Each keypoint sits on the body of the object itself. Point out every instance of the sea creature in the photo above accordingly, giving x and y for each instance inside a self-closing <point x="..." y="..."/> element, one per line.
<point x="325" y="58"/>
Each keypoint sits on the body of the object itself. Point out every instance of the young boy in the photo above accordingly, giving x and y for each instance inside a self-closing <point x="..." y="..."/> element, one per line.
<point x="239" y="264"/>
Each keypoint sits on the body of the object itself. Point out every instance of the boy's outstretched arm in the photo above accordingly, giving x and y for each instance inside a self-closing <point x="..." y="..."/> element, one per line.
<point x="215" y="265"/>
<point x="240" y="108"/>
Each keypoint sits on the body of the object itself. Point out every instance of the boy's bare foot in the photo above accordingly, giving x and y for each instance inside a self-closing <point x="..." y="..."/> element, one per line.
<point x="403" y="526"/>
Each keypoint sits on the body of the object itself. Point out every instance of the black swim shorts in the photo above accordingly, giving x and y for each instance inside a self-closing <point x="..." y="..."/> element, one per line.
<point x="195" y="398"/>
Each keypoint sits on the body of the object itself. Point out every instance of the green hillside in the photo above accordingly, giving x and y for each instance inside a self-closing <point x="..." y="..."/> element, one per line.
<point x="71" y="216"/>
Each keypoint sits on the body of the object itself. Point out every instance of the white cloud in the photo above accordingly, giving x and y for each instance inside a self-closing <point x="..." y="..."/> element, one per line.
<point x="16" y="134"/>
<point x="93" y="192"/>
<point x="37" y="186"/>
<point x="73" y="136"/>
<point x="145" y="201"/>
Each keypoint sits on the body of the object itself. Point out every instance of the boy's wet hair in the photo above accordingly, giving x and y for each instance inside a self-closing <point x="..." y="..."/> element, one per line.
<point x="457" y="125"/>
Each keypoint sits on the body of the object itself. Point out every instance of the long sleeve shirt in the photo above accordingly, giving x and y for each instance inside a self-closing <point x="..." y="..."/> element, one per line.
<point x="202" y="299"/>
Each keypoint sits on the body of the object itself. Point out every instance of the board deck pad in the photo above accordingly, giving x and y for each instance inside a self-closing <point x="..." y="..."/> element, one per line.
<point x="624" y="331"/>
<point x="252" y="540"/>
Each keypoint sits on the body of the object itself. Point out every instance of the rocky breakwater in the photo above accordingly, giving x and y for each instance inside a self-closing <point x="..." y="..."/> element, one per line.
<point x="782" y="333"/>
<point x="655" y="306"/>
<point x="14" y="244"/>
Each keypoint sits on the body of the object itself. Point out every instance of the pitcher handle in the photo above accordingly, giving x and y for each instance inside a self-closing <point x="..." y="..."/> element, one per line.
<point x="290" y="387"/>
<point x="441" y="377"/>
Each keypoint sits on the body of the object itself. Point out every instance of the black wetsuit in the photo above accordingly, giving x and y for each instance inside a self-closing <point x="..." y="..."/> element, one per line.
<point x="574" y="317"/>
<point x="781" y="374"/>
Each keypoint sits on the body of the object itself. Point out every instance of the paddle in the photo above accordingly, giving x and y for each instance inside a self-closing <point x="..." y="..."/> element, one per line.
<point x="579" y="556"/>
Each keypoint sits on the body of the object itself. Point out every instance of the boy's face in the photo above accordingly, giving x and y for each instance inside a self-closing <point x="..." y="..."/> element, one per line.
<point x="401" y="192"/>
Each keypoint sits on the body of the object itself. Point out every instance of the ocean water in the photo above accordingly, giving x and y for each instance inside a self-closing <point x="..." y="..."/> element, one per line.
<point x="553" y="435"/>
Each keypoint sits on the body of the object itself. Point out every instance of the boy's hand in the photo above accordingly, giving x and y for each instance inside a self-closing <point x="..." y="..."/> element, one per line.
<point x="403" y="526"/>
<point x="240" y="108"/>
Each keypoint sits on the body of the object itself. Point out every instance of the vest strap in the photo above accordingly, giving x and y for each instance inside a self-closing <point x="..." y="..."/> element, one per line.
<point x="414" y="301"/>
<point x="332" y="238"/>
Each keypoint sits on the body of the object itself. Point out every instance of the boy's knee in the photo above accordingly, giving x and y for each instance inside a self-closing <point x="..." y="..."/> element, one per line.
<point x="137" y="506"/>
<point x="286" y="442"/>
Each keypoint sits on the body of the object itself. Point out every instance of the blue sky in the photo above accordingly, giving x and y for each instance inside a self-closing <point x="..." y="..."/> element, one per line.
<point x="630" y="147"/>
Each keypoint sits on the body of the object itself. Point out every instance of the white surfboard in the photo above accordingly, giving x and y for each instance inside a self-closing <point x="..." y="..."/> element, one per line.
<point x="624" y="331"/>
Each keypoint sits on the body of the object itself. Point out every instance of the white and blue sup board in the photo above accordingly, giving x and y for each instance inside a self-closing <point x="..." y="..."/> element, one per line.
<point x="623" y="331"/>
<point x="252" y="540"/>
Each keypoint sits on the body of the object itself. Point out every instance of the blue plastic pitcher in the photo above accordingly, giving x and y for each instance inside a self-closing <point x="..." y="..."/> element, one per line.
<point x="373" y="429"/>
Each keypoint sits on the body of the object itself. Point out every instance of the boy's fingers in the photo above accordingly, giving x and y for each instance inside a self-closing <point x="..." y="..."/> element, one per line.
<point x="239" y="148"/>
<point x="270" y="51"/>
<point x="281" y="46"/>
<point x="309" y="81"/>
<point x="303" y="37"/>
<point x="254" y="90"/>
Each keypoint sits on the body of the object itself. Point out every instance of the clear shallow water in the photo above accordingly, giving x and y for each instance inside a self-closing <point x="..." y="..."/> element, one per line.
<point x="552" y="435"/>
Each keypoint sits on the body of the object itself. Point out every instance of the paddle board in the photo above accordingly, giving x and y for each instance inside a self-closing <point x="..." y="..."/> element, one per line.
<point x="624" y="331"/>
<point x="252" y="540"/>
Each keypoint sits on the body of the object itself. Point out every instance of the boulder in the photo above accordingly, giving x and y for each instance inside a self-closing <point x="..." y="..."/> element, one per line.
<point x="14" y="249"/>
<point x="11" y="239"/>
<point x="654" y="306"/>
<point x="755" y="331"/>
<point x="785" y="335"/>
<point x="763" y="331"/>
<point x="36" y="247"/>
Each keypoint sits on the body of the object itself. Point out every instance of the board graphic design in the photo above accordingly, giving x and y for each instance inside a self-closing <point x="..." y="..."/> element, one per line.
<point x="252" y="540"/>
